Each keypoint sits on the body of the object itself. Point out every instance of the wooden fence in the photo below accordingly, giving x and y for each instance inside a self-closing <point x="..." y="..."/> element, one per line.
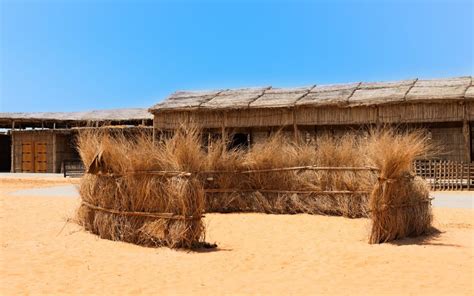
<point x="72" y="168"/>
<point x="446" y="175"/>
<point x="440" y="174"/>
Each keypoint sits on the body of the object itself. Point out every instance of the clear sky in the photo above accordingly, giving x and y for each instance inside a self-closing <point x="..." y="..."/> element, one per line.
<point x="83" y="55"/>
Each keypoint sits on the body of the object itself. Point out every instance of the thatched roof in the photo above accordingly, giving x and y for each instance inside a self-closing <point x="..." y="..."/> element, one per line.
<point x="96" y="115"/>
<point x="344" y="95"/>
<point x="68" y="119"/>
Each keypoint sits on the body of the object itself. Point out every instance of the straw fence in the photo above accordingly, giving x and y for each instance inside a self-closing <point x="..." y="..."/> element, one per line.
<point x="324" y="195"/>
<point x="155" y="193"/>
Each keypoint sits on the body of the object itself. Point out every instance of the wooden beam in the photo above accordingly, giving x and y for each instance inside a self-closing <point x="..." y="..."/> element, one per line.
<point x="378" y="122"/>
<point x="295" y="126"/>
<point x="223" y="126"/>
<point x="54" y="154"/>
<point x="12" y="147"/>
<point x="153" y="135"/>
<point x="466" y="130"/>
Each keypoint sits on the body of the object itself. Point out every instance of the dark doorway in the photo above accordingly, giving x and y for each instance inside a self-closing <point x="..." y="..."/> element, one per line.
<point x="239" y="141"/>
<point x="5" y="153"/>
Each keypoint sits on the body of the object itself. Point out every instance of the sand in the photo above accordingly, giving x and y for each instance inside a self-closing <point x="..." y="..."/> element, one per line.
<point x="257" y="254"/>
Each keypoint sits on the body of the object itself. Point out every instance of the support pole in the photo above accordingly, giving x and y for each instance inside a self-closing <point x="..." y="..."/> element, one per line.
<point x="12" y="148"/>
<point x="153" y="131"/>
<point x="153" y="135"/>
<point x="295" y="126"/>
<point x="378" y="123"/>
<point x="54" y="153"/>
<point x="223" y="126"/>
<point x="466" y="130"/>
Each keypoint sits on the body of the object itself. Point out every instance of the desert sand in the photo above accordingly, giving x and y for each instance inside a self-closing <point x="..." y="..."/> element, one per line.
<point x="44" y="252"/>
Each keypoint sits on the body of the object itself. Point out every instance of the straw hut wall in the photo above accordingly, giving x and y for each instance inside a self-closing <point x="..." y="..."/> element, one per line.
<point x="445" y="107"/>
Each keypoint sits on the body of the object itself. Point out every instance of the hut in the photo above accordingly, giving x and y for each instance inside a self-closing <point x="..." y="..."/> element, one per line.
<point x="445" y="107"/>
<point x="44" y="142"/>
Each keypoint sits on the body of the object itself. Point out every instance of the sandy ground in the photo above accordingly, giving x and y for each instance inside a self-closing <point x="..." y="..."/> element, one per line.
<point x="258" y="254"/>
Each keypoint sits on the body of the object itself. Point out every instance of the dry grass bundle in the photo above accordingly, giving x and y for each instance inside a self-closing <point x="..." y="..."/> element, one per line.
<point x="236" y="181"/>
<point x="289" y="192"/>
<point x="400" y="205"/>
<point x="119" y="197"/>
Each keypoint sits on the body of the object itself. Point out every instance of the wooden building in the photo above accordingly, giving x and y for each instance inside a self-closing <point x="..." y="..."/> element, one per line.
<point x="43" y="142"/>
<point x="445" y="107"/>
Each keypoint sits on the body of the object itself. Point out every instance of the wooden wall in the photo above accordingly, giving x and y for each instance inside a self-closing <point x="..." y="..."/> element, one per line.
<point x="20" y="137"/>
<point x="335" y="116"/>
<point x="450" y="140"/>
<point x="65" y="150"/>
<point x="417" y="113"/>
<point x="445" y="120"/>
<point x="59" y="147"/>
<point x="325" y="115"/>
<point x="448" y="137"/>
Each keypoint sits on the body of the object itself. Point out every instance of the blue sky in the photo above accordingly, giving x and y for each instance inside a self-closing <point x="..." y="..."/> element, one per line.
<point x="83" y="55"/>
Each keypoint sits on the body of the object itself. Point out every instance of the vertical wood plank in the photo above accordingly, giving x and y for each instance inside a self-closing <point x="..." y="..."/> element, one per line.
<point x="469" y="176"/>
<point x="444" y="175"/>
<point x="452" y="180"/>
<point x="12" y="147"/>
<point x="295" y="126"/>
<point x="54" y="157"/>
<point x="459" y="176"/>
<point x="466" y="131"/>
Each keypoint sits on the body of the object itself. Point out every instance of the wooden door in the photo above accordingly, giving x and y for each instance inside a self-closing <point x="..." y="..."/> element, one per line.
<point x="40" y="157"/>
<point x="27" y="157"/>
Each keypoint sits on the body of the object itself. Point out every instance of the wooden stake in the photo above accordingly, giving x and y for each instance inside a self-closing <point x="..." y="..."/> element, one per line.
<point x="54" y="153"/>
<point x="466" y="130"/>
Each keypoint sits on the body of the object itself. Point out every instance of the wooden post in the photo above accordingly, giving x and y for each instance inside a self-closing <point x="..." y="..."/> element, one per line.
<point x="224" y="125"/>
<point x="153" y="133"/>
<point x="469" y="176"/>
<point x="295" y="126"/>
<point x="54" y="153"/>
<point x="12" y="148"/>
<point x="466" y="131"/>
<point x="378" y="123"/>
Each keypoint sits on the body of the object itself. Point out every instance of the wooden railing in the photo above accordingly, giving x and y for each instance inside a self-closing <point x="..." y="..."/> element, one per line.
<point x="73" y="168"/>
<point x="446" y="175"/>
<point x="440" y="174"/>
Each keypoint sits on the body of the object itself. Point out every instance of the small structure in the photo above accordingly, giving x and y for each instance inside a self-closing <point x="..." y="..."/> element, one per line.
<point x="43" y="142"/>
<point x="445" y="107"/>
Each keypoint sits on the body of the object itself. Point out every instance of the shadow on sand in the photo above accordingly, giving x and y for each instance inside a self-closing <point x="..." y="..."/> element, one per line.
<point x="429" y="239"/>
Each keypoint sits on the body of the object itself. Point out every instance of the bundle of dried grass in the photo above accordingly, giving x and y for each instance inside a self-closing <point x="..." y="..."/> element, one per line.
<point x="303" y="190"/>
<point x="138" y="191"/>
<point x="400" y="205"/>
<point x="134" y="180"/>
